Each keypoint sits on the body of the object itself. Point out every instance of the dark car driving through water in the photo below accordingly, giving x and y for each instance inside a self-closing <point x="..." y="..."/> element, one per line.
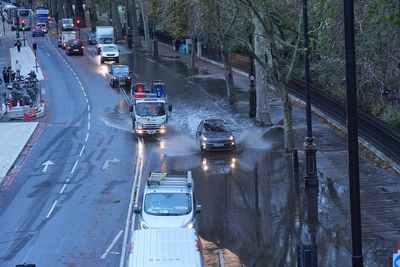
<point x="215" y="134"/>
<point x="120" y="75"/>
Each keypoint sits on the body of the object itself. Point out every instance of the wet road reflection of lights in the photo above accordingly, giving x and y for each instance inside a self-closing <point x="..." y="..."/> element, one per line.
<point x="162" y="144"/>
<point x="121" y="106"/>
<point x="103" y="70"/>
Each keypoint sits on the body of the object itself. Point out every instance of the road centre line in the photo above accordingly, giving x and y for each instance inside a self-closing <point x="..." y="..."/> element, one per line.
<point x="128" y="216"/>
<point x="88" y="116"/>
<point x="67" y="181"/>
<point x="83" y="148"/>
<point x="63" y="188"/>
<point x="87" y="102"/>
<point x="111" y="245"/>
<point x="88" y="125"/>
<point x="87" y="136"/>
<point x="88" y="106"/>
<point x="73" y="168"/>
<point x="52" y="208"/>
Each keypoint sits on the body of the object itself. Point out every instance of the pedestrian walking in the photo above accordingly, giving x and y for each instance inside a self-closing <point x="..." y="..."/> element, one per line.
<point x="18" y="45"/>
<point x="17" y="68"/>
<point x="4" y="74"/>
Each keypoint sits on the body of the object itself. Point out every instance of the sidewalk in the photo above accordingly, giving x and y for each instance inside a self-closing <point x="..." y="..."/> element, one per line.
<point x="26" y="59"/>
<point x="13" y="139"/>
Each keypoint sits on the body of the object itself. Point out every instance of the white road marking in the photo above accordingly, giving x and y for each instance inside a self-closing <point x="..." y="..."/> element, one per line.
<point x="151" y="60"/>
<point x="88" y="116"/>
<point x="73" y="168"/>
<point x="46" y="165"/>
<point x="136" y="181"/>
<point x="80" y="154"/>
<point x="87" y="136"/>
<point x="111" y="245"/>
<point x="67" y="180"/>
<point x="63" y="188"/>
<point x="88" y="107"/>
<point x="52" y="208"/>
<point x="88" y="125"/>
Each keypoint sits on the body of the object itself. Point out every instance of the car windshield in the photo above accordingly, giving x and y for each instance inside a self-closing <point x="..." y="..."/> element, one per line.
<point x="110" y="49"/>
<point x="105" y="40"/>
<point x="150" y="109"/>
<point x="23" y="13"/>
<point x="41" y="25"/>
<point x="67" y="21"/>
<point x="167" y="204"/>
<point x="218" y="126"/>
<point x="70" y="37"/>
<point x="121" y="70"/>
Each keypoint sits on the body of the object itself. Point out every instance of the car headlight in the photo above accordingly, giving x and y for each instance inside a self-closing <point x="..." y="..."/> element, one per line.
<point x="231" y="138"/>
<point x="139" y="126"/>
<point x="162" y="126"/>
<point x="204" y="138"/>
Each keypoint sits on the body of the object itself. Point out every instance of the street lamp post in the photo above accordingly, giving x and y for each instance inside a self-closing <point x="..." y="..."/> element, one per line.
<point x="252" y="91"/>
<point x="311" y="177"/>
<point x="352" y="133"/>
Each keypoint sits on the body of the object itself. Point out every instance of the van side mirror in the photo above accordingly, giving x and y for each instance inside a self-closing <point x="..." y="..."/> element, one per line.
<point x="198" y="208"/>
<point x="136" y="209"/>
<point x="169" y="108"/>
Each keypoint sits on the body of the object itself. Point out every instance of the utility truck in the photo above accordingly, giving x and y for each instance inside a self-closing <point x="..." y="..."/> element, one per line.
<point x="149" y="108"/>
<point x="104" y="36"/>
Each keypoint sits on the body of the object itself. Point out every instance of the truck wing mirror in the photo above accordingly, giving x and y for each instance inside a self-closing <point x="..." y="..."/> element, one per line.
<point x="136" y="209"/>
<point x="169" y="108"/>
<point x="198" y="208"/>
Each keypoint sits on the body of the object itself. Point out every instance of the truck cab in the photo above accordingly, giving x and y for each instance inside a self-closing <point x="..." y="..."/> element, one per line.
<point x="150" y="109"/>
<point x="168" y="202"/>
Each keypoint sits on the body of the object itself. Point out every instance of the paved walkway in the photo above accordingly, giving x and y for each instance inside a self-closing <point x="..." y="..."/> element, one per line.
<point x="26" y="59"/>
<point x="13" y="138"/>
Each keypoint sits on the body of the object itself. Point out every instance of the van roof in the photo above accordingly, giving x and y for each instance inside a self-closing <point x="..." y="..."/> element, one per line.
<point x="168" y="247"/>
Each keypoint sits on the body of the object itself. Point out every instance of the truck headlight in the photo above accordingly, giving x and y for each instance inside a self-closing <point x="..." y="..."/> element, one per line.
<point x="231" y="138"/>
<point x="189" y="225"/>
<point x="204" y="138"/>
<point x="163" y="126"/>
<point x="139" y="126"/>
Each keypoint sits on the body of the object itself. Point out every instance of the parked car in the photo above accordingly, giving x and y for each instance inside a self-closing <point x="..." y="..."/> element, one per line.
<point x="91" y="38"/>
<point x="168" y="202"/>
<point x="37" y="31"/>
<point x="74" y="47"/>
<point x="120" y="75"/>
<point x="215" y="134"/>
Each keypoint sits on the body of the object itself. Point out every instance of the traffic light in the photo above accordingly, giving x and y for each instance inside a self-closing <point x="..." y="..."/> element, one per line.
<point x="23" y="25"/>
<point x="78" y="22"/>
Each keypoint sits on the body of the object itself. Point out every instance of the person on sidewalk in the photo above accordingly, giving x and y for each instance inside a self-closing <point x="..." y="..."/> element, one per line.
<point x="4" y="74"/>
<point x="18" y="45"/>
<point x="17" y="68"/>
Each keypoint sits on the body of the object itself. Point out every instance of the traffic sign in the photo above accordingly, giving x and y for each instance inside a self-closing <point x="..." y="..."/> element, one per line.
<point x="396" y="259"/>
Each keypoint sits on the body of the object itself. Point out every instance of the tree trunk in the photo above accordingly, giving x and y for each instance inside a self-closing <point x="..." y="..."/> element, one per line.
<point x="80" y="12"/>
<point x="134" y="24"/>
<point x="93" y="15"/>
<point x="143" y="5"/>
<point x="116" y="21"/>
<point x="60" y="10"/>
<point x="262" y="88"/>
<point x="230" y="89"/>
<point x="53" y="7"/>
<point x="69" y="11"/>
<point x="287" y="122"/>
<point x="193" y="53"/>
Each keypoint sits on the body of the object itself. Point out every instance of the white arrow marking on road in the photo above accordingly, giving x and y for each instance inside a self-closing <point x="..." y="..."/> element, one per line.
<point x="105" y="165"/>
<point x="46" y="165"/>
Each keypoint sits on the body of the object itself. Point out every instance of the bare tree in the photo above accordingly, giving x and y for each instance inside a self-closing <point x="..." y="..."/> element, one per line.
<point x="116" y="20"/>
<point x="144" y="9"/>
<point x="134" y="24"/>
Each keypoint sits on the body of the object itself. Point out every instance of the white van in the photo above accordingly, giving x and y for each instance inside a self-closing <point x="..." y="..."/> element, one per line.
<point x="171" y="247"/>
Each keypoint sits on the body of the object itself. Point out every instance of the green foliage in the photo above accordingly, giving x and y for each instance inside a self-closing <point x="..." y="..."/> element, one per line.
<point x="178" y="18"/>
<point x="392" y="117"/>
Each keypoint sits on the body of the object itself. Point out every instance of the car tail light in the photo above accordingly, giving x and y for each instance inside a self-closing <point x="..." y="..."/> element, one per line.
<point x="82" y="46"/>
